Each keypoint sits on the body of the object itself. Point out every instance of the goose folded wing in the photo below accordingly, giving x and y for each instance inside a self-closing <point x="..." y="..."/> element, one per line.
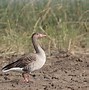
<point x="21" y="62"/>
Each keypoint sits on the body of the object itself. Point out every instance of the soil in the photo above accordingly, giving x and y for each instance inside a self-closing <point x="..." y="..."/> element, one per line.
<point x="61" y="72"/>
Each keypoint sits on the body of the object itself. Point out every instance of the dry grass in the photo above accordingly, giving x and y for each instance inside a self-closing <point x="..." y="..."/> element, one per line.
<point x="64" y="22"/>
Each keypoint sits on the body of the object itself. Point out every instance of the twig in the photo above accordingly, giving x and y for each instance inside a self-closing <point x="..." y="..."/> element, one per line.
<point x="69" y="46"/>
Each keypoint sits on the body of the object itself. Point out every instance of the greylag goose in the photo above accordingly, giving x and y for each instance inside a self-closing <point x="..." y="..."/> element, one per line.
<point x="29" y="62"/>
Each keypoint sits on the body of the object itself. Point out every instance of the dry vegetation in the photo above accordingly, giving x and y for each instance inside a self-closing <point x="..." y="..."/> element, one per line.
<point x="65" y="22"/>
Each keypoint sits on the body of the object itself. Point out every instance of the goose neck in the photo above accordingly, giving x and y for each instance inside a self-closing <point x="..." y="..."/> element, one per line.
<point x="36" y="45"/>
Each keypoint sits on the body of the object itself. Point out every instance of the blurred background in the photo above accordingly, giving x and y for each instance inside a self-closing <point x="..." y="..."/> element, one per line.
<point x="65" y="22"/>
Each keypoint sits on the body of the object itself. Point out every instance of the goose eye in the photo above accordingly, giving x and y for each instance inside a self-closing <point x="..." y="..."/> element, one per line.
<point x="37" y="34"/>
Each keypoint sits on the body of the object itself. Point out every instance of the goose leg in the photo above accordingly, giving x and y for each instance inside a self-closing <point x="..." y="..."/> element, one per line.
<point x="26" y="77"/>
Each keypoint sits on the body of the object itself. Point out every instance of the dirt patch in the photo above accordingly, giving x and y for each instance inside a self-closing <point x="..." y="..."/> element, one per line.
<point x="59" y="73"/>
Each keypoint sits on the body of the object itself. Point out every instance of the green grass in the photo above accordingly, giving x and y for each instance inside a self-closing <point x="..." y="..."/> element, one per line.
<point x="66" y="22"/>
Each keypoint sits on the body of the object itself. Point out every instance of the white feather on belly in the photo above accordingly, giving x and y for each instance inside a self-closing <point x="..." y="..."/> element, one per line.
<point x="17" y="69"/>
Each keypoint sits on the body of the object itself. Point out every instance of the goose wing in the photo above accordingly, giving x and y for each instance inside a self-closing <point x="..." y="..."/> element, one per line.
<point x="21" y="62"/>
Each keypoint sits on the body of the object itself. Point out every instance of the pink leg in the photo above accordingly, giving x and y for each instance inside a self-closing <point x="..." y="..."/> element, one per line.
<point x="26" y="77"/>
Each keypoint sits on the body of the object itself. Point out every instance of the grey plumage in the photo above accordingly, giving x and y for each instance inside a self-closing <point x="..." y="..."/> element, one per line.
<point x="22" y="62"/>
<point x="29" y="62"/>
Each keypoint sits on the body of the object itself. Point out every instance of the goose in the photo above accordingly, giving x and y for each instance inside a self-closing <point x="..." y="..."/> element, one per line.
<point x="29" y="62"/>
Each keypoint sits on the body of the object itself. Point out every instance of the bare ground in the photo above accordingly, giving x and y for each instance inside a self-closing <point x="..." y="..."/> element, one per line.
<point x="61" y="72"/>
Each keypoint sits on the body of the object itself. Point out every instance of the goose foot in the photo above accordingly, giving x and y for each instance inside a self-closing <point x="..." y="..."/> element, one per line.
<point x="26" y="77"/>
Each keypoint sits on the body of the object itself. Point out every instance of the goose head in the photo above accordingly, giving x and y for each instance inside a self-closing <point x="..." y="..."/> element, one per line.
<point x="38" y="35"/>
